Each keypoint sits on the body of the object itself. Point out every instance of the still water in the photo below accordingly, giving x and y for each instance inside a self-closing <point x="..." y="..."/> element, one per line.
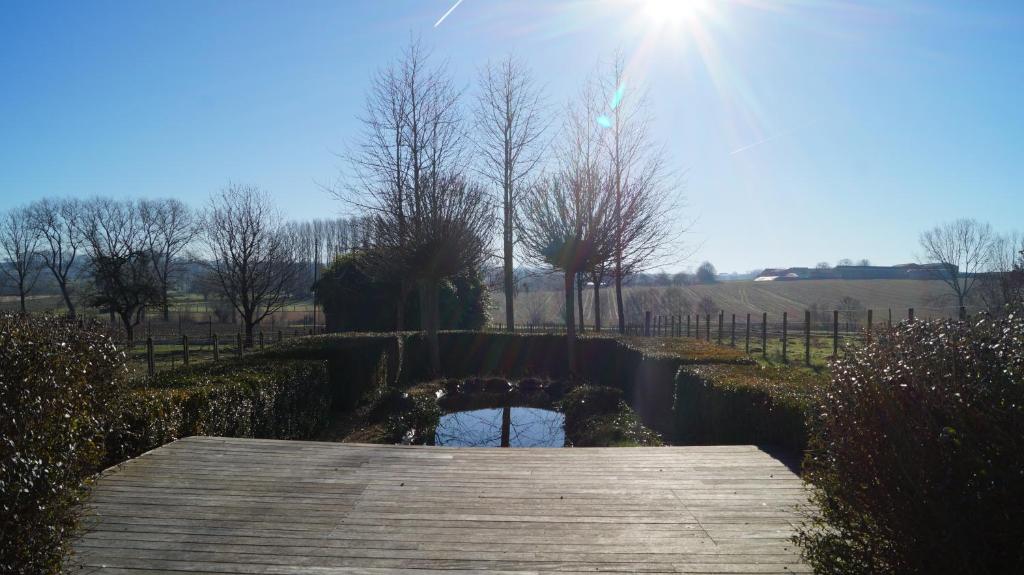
<point x="502" y="427"/>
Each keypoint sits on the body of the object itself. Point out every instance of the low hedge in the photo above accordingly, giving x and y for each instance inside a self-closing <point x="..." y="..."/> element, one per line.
<point x="743" y="404"/>
<point x="60" y="390"/>
<point x="357" y="363"/>
<point x="280" y="399"/>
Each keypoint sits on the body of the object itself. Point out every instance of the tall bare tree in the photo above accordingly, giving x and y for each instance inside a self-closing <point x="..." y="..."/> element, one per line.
<point x="509" y="128"/>
<point x="19" y="241"/>
<point x="122" y="274"/>
<point x="644" y="192"/>
<point x="963" y="249"/>
<point x="168" y="228"/>
<point x="249" y="256"/>
<point x="410" y="183"/>
<point x="57" y="223"/>
<point x="566" y="221"/>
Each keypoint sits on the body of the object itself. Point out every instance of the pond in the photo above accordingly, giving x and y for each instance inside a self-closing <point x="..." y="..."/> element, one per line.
<point x="505" y="426"/>
<point x="496" y="413"/>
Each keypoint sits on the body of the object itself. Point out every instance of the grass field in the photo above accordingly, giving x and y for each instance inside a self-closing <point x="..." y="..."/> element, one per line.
<point x="929" y="298"/>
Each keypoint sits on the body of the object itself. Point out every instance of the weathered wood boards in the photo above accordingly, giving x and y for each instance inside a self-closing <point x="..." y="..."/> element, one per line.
<point x="212" y="505"/>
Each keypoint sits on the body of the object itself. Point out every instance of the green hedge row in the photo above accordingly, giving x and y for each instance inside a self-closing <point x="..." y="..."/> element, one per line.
<point x="286" y="399"/>
<point x="684" y="389"/>
<point x="743" y="404"/>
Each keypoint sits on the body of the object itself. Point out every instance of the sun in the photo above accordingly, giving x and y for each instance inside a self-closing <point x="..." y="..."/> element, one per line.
<point x="674" y="13"/>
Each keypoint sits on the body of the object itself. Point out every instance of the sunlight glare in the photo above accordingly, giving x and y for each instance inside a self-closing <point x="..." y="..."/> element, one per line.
<point x="674" y="13"/>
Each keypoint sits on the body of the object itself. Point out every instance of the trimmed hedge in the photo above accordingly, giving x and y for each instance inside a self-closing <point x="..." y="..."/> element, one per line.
<point x="284" y="399"/>
<point x="60" y="390"/>
<point x="645" y="370"/>
<point x="917" y="456"/>
<point x="743" y="404"/>
<point x="357" y="363"/>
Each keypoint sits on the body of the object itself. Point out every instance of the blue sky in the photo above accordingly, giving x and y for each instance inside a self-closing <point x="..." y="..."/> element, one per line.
<point x="807" y="130"/>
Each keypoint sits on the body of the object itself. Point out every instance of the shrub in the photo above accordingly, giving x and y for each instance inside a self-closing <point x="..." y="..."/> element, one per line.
<point x="355" y="300"/>
<point x="59" y="396"/>
<point x="917" y="454"/>
<point x="598" y="416"/>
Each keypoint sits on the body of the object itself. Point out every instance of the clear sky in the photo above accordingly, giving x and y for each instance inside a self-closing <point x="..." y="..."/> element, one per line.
<point x="808" y="130"/>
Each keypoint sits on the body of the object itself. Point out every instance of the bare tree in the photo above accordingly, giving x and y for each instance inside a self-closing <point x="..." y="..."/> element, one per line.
<point x="962" y="250"/>
<point x="644" y="199"/>
<point x="1004" y="284"/>
<point x="57" y="223"/>
<point x="565" y="223"/>
<point x="168" y="228"/>
<point x="249" y="255"/>
<point x="706" y="273"/>
<point x="509" y="127"/>
<point x="119" y="263"/>
<point x="427" y="219"/>
<point x="19" y="241"/>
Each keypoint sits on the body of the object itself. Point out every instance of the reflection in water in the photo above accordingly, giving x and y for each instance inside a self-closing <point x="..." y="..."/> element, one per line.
<point x="502" y="427"/>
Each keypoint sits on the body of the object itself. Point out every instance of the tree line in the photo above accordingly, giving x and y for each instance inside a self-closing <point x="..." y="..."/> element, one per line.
<point x="124" y="256"/>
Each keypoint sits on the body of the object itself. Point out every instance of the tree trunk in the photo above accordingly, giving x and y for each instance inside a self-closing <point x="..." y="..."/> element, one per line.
<point x="618" y="303"/>
<point x="579" y="301"/>
<point x="21" y="294"/>
<point x="129" y="328"/>
<point x="597" y="304"/>
<point x="165" y="304"/>
<point x="510" y="316"/>
<point x="249" y="328"/>
<point x="67" y="299"/>
<point x="570" y="321"/>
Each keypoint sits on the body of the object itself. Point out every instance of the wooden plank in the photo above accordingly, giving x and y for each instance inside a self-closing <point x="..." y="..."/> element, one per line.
<point x="216" y="505"/>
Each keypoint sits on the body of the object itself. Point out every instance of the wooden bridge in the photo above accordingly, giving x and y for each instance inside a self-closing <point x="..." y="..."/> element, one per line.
<point x="213" y="505"/>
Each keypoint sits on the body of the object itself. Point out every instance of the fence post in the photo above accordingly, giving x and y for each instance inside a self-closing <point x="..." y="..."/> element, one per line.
<point x="687" y="325"/>
<point x="748" y="333"/>
<point x="910" y="315"/>
<point x="707" y="327"/>
<point x="672" y="326"/>
<point x="890" y="318"/>
<point x="835" y="333"/>
<point x="807" y="337"/>
<point x="261" y="340"/>
<point x="184" y="349"/>
<point x="733" y="342"/>
<point x="216" y="348"/>
<point x="785" y="336"/>
<point x="647" y="324"/>
<point x="238" y="349"/>
<point x="871" y="318"/>
<point x="150" y="360"/>
<point x="280" y="336"/>
<point x="764" y="334"/>
<point x="721" y="320"/>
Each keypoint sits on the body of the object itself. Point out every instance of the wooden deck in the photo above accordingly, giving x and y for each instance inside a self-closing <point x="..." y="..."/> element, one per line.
<point x="212" y="505"/>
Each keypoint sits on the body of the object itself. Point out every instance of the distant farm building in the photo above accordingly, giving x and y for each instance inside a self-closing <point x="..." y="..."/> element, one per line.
<point x="898" y="272"/>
